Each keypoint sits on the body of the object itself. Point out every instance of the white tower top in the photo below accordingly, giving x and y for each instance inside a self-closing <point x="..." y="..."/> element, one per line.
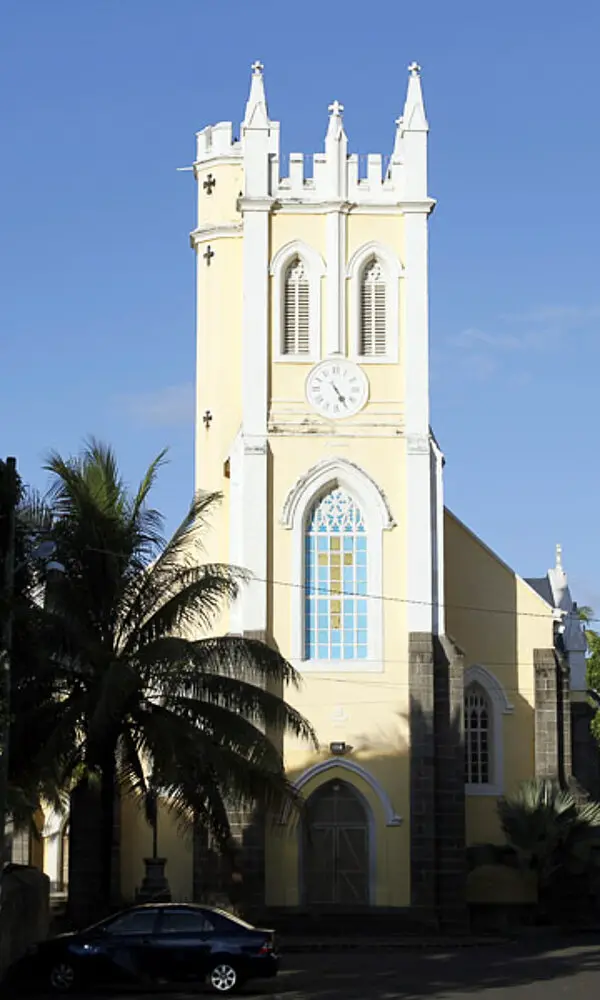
<point x="336" y="175"/>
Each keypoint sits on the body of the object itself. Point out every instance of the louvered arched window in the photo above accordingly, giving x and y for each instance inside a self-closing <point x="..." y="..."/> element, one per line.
<point x="296" y="309"/>
<point x="373" y="311"/>
<point x="478" y="736"/>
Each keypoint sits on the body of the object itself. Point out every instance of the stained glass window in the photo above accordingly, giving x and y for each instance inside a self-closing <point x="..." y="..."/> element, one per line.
<point x="477" y="736"/>
<point x="336" y="580"/>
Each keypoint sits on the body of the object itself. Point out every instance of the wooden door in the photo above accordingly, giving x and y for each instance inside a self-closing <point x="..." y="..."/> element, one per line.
<point x="336" y="848"/>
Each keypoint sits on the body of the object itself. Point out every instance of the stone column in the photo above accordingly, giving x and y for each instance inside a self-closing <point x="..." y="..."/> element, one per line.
<point x="548" y="715"/>
<point x="450" y="785"/>
<point x="422" y="775"/>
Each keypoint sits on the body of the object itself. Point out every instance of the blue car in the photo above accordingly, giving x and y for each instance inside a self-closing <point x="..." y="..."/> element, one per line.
<point x="166" y="943"/>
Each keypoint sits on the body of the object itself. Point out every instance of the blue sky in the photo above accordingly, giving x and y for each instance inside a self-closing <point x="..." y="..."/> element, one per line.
<point x="99" y="104"/>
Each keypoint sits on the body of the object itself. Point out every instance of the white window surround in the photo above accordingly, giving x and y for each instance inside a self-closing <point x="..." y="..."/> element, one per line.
<point x="309" y="488"/>
<point x="392" y="270"/>
<point x="315" y="270"/>
<point x="499" y="706"/>
<point x="340" y="767"/>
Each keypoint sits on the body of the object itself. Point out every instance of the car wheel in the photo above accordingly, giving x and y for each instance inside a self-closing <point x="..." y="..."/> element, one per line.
<point x="224" y="978"/>
<point x="62" y="977"/>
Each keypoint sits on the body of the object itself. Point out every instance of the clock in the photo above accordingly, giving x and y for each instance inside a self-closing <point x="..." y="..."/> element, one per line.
<point x="337" y="388"/>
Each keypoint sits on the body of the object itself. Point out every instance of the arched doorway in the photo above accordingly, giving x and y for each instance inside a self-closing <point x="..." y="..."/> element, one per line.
<point x="336" y="848"/>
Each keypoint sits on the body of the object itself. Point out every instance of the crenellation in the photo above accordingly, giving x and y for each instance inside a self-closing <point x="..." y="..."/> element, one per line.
<point x="217" y="141"/>
<point x="337" y="176"/>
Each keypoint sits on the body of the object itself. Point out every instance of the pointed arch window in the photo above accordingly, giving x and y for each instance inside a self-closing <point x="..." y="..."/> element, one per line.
<point x="296" y="309"/>
<point x="479" y="763"/>
<point x="335" y="613"/>
<point x="373" y="311"/>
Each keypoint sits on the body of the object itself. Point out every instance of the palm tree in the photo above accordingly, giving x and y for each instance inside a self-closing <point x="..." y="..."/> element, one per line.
<point x="148" y="688"/>
<point x="33" y="773"/>
<point x="550" y="830"/>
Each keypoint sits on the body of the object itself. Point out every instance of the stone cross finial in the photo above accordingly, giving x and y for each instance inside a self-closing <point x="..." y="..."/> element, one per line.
<point x="414" y="69"/>
<point x="336" y="109"/>
<point x="257" y="68"/>
<point x="559" y="556"/>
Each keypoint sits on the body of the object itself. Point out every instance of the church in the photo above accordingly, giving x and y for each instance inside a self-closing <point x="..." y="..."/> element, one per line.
<point x="436" y="677"/>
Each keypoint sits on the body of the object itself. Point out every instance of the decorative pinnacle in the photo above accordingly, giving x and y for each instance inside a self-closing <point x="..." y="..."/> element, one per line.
<point x="414" y="69"/>
<point x="559" y="556"/>
<point x="257" y="68"/>
<point x="336" y="109"/>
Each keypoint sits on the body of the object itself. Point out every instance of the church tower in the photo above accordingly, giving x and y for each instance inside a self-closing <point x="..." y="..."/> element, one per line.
<point x="312" y="403"/>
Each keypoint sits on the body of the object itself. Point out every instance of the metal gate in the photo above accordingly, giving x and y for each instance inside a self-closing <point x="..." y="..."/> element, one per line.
<point x="336" y="848"/>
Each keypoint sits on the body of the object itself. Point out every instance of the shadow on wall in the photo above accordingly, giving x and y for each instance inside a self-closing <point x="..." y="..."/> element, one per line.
<point x="25" y="912"/>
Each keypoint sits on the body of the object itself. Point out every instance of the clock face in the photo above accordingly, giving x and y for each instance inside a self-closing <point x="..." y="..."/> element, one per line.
<point x="337" y="388"/>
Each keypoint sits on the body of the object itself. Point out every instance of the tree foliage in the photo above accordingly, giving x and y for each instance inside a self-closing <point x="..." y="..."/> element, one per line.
<point x="146" y="686"/>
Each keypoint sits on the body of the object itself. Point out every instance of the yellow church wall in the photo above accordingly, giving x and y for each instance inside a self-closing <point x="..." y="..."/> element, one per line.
<point x="390" y="846"/>
<point x="219" y="359"/>
<point x="498" y="621"/>
<point x="287" y="227"/>
<point x="136" y="844"/>
<point x="367" y="710"/>
<point x="221" y="205"/>
<point x="365" y="228"/>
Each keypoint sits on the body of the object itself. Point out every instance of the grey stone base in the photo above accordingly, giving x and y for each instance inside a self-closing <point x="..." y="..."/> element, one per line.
<point x="438" y="860"/>
<point x="154" y="887"/>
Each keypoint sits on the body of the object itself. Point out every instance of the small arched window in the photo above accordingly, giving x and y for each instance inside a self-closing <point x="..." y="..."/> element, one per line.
<point x="478" y="737"/>
<point x="296" y="309"/>
<point x="373" y="311"/>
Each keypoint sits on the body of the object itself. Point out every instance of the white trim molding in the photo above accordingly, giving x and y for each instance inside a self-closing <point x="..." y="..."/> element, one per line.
<point x="315" y="270"/>
<point x="212" y="231"/>
<point x="393" y="271"/>
<point x="500" y="706"/>
<point x="340" y="764"/>
<point x="326" y="475"/>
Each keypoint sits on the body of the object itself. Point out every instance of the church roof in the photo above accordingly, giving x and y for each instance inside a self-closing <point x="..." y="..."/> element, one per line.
<point x="541" y="584"/>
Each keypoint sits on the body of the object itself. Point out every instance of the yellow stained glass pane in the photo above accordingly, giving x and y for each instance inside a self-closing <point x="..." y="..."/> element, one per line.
<point x="323" y="558"/>
<point x="348" y="559"/>
<point x="336" y="621"/>
<point x="336" y="607"/>
<point x="336" y="587"/>
<point x="334" y="544"/>
<point x="336" y="572"/>
<point x="336" y="559"/>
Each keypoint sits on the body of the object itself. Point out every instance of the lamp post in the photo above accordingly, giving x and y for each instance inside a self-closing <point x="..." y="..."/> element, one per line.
<point x="6" y="649"/>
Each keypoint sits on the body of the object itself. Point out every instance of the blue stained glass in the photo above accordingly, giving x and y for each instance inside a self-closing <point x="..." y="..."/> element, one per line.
<point x="335" y="515"/>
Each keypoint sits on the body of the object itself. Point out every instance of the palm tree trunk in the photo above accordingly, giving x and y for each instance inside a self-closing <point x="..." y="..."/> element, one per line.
<point x="85" y="854"/>
<point x="107" y="804"/>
